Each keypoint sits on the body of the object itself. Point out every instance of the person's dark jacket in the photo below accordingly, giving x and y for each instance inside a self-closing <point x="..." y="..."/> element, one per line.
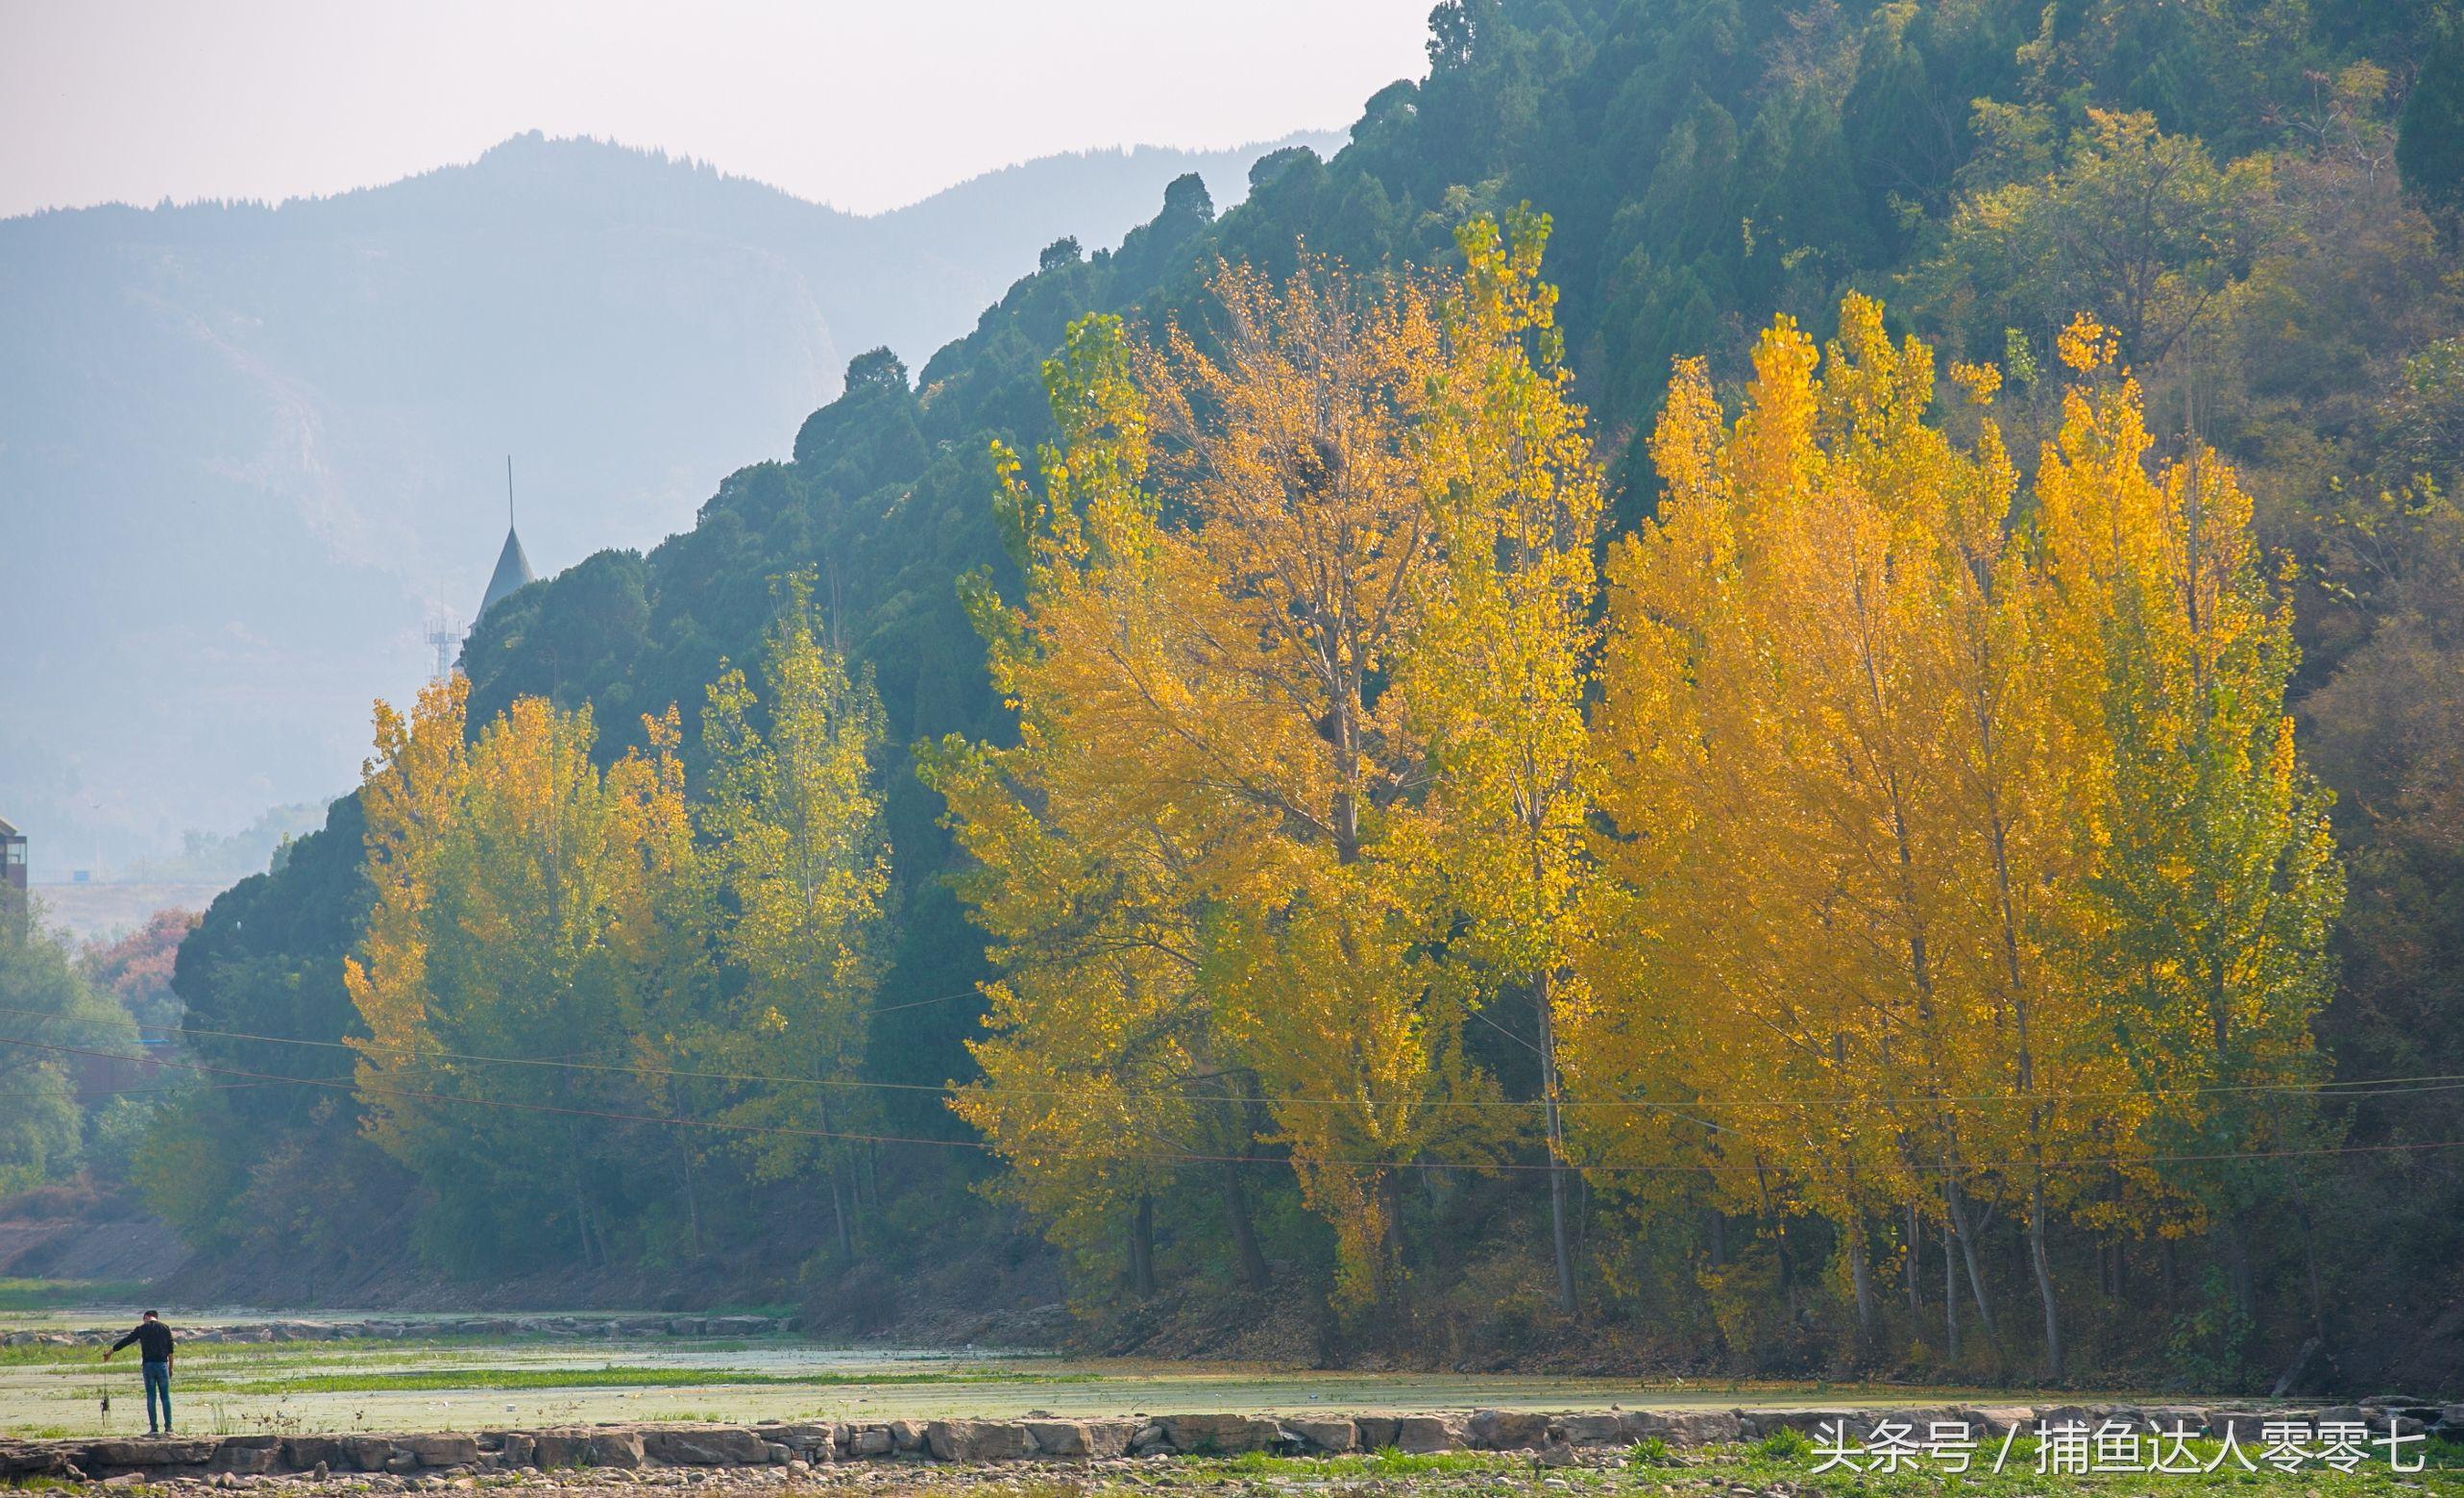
<point x="153" y="1340"/>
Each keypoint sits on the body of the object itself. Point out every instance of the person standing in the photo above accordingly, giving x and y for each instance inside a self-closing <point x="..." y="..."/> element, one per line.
<point x="155" y="1351"/>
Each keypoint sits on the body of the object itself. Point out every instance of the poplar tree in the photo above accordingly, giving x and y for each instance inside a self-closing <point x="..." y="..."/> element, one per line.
<point x="518" y="889"/>
<point x="800" y="870"/>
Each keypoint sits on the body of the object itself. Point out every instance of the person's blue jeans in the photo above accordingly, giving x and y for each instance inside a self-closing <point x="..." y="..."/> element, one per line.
<point x="157" y="1386"/>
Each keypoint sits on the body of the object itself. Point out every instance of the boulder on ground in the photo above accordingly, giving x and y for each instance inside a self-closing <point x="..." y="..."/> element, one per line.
<point x="906" y="1436"/>
<point x="1683" y="1427"/>
<point x="1420" y="1433"/>
<point x="1081" y="1439"/>
<point x="1997" y="1420"/>
<point x="705" y="1446"/>
<point x="978" y="1441"/>
<point x="303" y="1452"/>
<point x="19" y="1460"/>
<point x="1219" y="1434"/>
<point x="2087" y="1416"/>
<point x="1058" y="1437"/>
<point x="443" y="1451"/>
<point x="1377" y="1430"/>
<point x="150" y="1450"/>
<point x="1919" y="1420"/>
<point x="367" y="1453"/>
<point x="872" y="1440"/>
<point x="1327" y="1435"/>
<point x="811" y="1441"/>
<point x="248" y="1455"/>
<point x="2244" y="1425"/>
<point x="1508" y="1430"/>
<point x="1592" y="1430"/>
<point x="559" y="1448"/>
<point x="1811" y="1423"/>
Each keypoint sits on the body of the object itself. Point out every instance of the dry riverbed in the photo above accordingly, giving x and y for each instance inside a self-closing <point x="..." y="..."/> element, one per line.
<point x="607" y="1375"/>
<point x="464" y="1383"/>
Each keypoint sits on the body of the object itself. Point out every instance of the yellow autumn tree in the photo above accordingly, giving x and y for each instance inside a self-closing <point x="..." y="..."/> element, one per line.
<point x="1218" y="696"/>
<point x="1103" y="1082"/>
<point x="799" y="871"/>
<point x="517" y="895"/>
<point x="1775" y="747"/>
<point x="1889" y="753"/>
<point x="2219" y="882"/>
<point x="1498" y="673"/>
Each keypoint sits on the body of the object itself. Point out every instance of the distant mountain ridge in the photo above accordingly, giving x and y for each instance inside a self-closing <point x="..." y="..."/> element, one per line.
<point x="248" y="452"/>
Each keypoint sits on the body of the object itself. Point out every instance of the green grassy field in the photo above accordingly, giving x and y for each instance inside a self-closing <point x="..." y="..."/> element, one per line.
<point x="1791" y="1467"/>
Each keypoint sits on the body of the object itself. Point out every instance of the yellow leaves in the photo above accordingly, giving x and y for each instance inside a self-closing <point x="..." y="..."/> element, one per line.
<point x="1268" y="743"/>
<point x="517" y="887"/>
<point x="2085" y="346"/>
<point x="798" y="874"/>
<point x="1887" y="766"/>
<point x="1823" y="848"/>
<point x="1978" y="382"/>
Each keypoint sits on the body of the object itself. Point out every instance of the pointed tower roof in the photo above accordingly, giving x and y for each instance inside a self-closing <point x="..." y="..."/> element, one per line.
<point x="513" y="570"/>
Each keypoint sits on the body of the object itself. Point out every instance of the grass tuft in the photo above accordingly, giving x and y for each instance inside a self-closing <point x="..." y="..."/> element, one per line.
<point x="1785" y="1445"/>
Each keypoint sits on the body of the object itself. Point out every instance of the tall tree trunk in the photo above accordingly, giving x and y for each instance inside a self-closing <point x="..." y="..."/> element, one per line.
<point x="1546" y="994"/>
<point x="843" y="1229"/>
<point x="2311" y="1266"/>
<point x="1916" y="1247"/>
<point x="1245" y="1251"/>
<point x="1861" y="1279"/>
<point x="1950" y="1292"/>
<point x="1967" y="1256"/>
<point x="2238" y="1270"/>
<point x="2043" y="1265"/>
<point x="1390" y="1190"/>
<point x="1718" y="1233"/>
<point x="692" y="1204"/>
<point x="1143" y="1249"/>
<point x="581" y="1215"/>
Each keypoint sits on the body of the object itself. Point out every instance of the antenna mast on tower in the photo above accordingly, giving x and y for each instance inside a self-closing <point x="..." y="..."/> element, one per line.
<point x="443" y="635"/>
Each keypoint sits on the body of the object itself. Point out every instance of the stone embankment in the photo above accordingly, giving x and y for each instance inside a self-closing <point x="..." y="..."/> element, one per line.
<point x="795" y="1448"/>
<point x="434" y="1327"/>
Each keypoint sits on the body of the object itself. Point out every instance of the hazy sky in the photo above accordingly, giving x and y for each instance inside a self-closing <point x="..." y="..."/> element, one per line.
<point x="865" y="105"/>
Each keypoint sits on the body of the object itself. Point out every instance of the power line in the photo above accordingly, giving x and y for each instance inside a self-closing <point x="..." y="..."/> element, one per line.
<point x="983" y="1147"/>
<point x="2377" y="1087"/>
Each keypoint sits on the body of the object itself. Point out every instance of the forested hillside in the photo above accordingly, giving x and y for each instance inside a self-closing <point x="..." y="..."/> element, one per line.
<point x="2136" y="432"/>
<point x="280" y="431"/>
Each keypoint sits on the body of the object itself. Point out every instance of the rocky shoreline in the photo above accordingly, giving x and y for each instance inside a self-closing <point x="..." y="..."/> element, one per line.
<point x="780" y="1450"/>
